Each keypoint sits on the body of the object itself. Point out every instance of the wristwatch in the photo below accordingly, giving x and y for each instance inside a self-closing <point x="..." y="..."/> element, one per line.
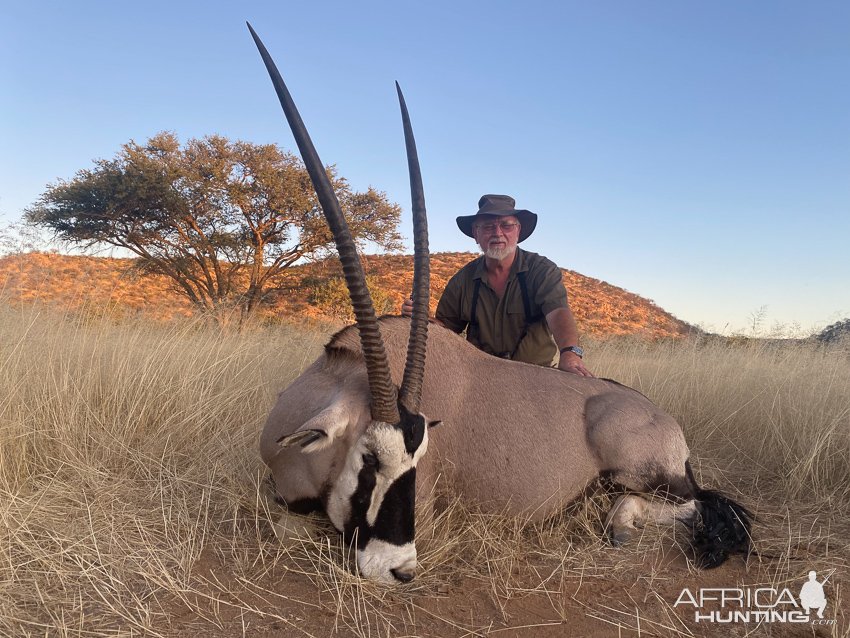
<point x="574" y="349"/>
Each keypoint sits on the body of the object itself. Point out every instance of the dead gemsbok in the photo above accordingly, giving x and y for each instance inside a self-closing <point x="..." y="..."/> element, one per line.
<point x="515" y="437"/>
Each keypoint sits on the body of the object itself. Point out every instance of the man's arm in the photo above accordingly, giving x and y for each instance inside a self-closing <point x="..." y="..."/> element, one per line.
<point x="551" y="296"/>
<point x="563" y="326"/>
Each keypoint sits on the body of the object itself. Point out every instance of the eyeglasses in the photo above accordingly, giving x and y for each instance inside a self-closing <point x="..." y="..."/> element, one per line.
<point x="491" y="227"/>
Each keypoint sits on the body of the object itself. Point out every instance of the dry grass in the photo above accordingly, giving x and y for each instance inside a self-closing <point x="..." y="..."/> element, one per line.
<point x="131" y="499"/>
<point x="779" y="411"/>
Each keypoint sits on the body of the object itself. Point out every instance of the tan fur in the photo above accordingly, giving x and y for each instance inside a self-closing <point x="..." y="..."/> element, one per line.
<point x="515" y="437"/>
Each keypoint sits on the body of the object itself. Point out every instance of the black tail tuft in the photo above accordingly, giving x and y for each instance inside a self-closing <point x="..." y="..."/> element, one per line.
<point x="721" y="529"/>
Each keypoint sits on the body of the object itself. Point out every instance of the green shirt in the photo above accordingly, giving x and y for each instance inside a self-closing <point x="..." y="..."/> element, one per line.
<point x="501" y="322"/>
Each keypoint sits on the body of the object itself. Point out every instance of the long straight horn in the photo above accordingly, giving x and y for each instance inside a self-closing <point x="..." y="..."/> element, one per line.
<point x="414" y="367"/>
<point x="384" y="405"/>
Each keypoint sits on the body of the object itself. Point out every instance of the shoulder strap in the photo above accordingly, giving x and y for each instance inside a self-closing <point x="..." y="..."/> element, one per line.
<point x="526" y="305"/>
<point x="472" y="328"/>
<point x="475" y="289"/>
<point x="526" y="302"/>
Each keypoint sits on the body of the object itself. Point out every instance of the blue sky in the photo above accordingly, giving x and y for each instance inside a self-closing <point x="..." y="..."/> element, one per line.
<point x="697" y="154"/>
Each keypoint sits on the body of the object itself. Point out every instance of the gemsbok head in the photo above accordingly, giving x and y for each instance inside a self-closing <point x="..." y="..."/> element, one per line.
<point x="373" y="498"/>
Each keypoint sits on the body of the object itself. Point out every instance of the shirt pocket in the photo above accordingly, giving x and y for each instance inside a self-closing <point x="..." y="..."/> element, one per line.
<point x="515" y="307"/>
<point x="515" y="319"/>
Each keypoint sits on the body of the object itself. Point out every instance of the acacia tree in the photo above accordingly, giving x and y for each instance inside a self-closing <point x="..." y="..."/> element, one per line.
<point x="222" y="219"/>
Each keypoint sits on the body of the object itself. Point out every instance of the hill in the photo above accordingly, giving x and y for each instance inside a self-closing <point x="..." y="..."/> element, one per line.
<point x="315" y="290"/>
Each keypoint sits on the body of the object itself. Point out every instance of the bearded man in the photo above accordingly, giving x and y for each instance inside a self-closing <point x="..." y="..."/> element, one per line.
<point x="511" y="302"/>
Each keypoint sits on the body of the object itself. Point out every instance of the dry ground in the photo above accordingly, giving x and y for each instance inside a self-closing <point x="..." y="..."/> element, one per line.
<point x="132" y="504"/>
<point x="490" y="576"/>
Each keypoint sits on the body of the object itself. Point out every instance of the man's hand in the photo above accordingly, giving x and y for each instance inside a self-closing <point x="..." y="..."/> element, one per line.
<point x="571" y="362"/>
<point x="407" y="311"/>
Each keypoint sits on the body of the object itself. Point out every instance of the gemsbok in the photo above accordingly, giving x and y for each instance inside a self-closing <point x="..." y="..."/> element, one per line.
<point x="515" y="437"/>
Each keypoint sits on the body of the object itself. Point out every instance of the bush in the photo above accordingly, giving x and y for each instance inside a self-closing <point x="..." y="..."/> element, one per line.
<point x="839" y="331"/>
<point x="330" y="295"/>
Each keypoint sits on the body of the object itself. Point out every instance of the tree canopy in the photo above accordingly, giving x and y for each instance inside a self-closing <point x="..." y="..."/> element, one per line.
<point x="223" y="219"/>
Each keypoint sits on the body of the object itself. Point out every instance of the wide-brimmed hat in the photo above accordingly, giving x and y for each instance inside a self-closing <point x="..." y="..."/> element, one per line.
<point x="499" y="205"/>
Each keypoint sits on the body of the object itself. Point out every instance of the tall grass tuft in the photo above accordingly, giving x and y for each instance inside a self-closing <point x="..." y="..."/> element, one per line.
<point x="778" y="413"/>
<point x="123" y="448"/>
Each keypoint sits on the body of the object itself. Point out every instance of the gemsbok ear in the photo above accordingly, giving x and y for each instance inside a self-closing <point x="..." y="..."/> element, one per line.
<point x="319" y="432"/>
<point x="433" y="424"/>
<point x="303" y="438"/>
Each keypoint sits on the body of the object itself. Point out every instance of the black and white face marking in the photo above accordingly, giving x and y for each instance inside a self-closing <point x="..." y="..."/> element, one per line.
<point x="375" y="496"/>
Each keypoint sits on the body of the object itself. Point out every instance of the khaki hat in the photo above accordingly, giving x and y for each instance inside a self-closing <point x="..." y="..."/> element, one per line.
<point x="499" y="205"/>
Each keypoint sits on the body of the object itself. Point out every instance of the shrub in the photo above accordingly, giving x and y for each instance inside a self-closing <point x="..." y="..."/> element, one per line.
<point x="330" y="295"/>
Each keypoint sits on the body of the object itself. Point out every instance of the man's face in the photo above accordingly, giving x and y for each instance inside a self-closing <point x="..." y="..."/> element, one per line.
<point x="497" y="236"/>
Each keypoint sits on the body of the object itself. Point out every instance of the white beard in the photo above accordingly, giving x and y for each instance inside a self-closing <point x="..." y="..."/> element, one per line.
<point x="500" y="252"/>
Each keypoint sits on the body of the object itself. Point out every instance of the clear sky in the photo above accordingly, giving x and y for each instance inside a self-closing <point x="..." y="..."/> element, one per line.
<point x="695" y="153"/>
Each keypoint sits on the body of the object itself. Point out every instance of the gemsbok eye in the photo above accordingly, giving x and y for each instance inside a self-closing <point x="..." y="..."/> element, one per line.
<point x="370" y="460"/>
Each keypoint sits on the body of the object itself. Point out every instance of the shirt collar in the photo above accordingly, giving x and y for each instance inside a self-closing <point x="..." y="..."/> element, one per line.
<point x="520" y="265"/>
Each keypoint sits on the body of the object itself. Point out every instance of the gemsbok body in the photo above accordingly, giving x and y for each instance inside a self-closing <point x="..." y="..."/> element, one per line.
<point x="347" y="436"/>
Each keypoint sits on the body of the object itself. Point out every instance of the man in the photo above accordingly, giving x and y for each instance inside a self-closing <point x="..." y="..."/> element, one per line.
<point x="511" y="302"/>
